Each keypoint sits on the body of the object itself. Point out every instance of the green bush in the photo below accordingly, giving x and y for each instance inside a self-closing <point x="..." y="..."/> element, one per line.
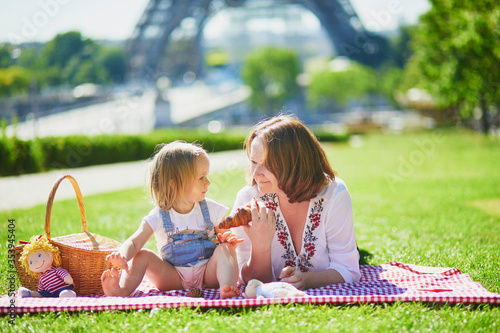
<point x="325" y="136"/>
<point x="20" y="157"/>
<point x="5" y="157"/>
<point x="43" y="154"/>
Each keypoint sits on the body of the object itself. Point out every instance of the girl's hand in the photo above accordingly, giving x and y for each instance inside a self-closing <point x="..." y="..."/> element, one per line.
<point x="293" y="276"/>
<point x="263" y="225"/>
<point x="229" y="237"/>
<point x="118" y="260"/>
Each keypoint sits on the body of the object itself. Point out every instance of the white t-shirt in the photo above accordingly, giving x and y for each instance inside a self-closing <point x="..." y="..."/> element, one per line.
<point x="189" y="221"/>
<point x="328" y="239"/>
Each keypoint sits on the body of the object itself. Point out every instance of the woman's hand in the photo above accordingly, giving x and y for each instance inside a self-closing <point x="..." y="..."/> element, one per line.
<point x="293" y="276"/>
<point x="229" y="237"/>
<point x="307" y="280"/>
<point x="261" y="231"/>
<point x="118" y="260"/>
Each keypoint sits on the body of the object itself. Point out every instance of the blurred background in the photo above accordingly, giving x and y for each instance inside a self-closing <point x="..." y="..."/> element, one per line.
<point x="132" y="67"/>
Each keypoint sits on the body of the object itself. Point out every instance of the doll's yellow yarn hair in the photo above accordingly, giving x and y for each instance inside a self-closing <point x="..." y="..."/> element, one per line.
<point x="38" y="243"/>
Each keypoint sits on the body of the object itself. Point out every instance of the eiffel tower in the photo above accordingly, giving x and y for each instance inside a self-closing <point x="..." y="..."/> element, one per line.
<point x="151" y="36"/>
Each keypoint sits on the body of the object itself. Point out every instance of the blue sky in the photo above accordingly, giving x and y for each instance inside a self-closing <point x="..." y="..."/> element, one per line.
<point x="41" y="20"/>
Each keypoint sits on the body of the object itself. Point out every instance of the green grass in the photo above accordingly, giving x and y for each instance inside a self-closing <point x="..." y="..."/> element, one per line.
<point x="428" y="198"/>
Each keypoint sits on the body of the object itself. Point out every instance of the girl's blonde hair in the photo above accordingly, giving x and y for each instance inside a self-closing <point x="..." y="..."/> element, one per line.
<point x="293" y="155"/>
<point x="38" y="243"/>
<point x="172" y="169"/>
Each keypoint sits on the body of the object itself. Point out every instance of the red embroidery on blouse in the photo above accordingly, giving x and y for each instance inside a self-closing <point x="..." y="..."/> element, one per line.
<point x="314" y="219"/>
<point x="309" y="238"/>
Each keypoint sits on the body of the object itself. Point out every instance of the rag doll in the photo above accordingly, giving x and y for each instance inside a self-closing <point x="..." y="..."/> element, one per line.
<point x="257" y="289"/>
<point x="41" y="260"/>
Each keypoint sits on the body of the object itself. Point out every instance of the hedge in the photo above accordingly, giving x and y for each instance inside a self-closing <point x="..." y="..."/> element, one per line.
<point x="43" y="154"/>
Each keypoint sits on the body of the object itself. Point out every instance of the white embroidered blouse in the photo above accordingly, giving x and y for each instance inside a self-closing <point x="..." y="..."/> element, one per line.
<point x="328" y="239"/>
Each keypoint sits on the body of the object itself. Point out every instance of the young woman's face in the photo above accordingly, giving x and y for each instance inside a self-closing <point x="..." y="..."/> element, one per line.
<point x="200" y="185"/>
<point x="40" y="261"/>
<point x="266" y="181"/>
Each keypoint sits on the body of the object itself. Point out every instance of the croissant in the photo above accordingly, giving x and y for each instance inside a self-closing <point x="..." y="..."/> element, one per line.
<point x="241" y="216"/>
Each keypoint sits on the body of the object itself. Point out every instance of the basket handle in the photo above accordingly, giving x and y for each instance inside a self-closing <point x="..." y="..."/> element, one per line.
<point x="50" y="201"/>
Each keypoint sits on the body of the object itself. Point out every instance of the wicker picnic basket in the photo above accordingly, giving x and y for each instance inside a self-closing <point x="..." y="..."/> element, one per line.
<point x="82" y="255"/>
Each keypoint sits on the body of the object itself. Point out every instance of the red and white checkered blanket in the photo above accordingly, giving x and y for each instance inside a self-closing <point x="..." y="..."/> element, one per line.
<point x="390" y="282"/>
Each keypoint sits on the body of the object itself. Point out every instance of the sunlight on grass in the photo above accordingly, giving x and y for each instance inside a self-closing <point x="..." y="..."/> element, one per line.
<point x="489" y="206"/>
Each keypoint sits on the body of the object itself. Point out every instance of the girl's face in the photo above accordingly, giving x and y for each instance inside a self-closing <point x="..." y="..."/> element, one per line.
<point x="266" y="181"/>
<point x="199" y="187"/>
<point x="40" y="261"/>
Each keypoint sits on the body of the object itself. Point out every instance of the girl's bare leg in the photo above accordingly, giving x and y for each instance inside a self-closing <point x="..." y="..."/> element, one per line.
<point x="161" y="273"/>
<point x="222" y="271"/>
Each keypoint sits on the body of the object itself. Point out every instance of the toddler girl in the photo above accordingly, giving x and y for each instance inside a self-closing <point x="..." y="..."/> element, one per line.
<point x="183" y="229"/>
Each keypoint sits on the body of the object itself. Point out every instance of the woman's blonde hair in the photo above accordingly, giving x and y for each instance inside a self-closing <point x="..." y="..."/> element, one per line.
<point x="293" y="155"/>
<point x="38" y="243"/>
<point x="172" y="169"/>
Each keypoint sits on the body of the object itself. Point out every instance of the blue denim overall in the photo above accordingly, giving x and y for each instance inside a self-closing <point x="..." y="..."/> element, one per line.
<point x="187" y="248"/>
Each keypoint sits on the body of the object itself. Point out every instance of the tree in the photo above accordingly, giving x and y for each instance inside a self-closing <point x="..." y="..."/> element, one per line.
<point x="14" y="80"/>
<point x="390" y="83"/>
<point x="271" y="73"/>
<point x="115" y="64"/>
<point x="89" y="71"/>
<point x="71" y="59"/>
<point x="62" y="48"/>
<point x="30" y="58"/>
<point x="67" y="59"/>
<point x="55" y="56"/>
<point x="328" y="89"/>
<point x="457" y="55"/>
<point x="5" y="57"/>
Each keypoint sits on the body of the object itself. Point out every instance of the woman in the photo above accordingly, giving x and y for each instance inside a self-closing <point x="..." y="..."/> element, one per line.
<point x="302" y="232"/>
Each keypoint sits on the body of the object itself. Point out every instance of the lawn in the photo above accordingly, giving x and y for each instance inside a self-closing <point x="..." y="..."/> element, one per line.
<point x="427" y="198"/>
